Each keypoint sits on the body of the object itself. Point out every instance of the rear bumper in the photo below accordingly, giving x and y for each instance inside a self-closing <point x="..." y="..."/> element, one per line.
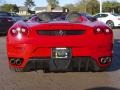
<point x="31" y="53"/>
<point x="71" y="64"/>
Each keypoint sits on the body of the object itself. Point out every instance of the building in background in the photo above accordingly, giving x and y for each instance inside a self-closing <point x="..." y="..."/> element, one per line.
<point x="40" y="9"/>
<point x="23" y="10"/>
<point x="49" y="9"/>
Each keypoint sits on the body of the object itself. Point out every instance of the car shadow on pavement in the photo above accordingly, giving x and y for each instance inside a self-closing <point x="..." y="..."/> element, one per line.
<point x="103" y="88"/>
<point x="116" y="56"/>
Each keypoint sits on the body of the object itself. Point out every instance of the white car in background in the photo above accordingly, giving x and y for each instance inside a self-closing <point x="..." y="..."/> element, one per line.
<point x="111" y="19"/>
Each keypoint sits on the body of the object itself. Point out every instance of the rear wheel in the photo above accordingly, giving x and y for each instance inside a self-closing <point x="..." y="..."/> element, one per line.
<point x="110" y="24"/>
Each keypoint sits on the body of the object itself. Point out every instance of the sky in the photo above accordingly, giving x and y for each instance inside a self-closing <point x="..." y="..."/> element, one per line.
<point x="43" y="2"/>
<point x="40" y="2"/>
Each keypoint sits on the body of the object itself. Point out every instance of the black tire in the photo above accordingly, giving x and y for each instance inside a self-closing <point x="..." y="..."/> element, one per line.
<point x="110" y="24"/>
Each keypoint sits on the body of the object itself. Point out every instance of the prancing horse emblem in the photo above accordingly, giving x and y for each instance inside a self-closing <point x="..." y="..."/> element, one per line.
<point x="61" y="32"/>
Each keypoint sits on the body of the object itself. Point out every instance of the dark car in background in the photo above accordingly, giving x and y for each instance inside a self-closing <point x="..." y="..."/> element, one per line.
<point x="7" y="20"/>
<point x="16" y="17"/>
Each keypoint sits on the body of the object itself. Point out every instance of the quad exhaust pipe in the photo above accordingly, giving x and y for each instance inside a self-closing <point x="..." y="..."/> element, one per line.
<point x="15" y="61"/>
<point x="12" y="61"/>
<point x="18" y="62"/>
<point x="105" y="60"/>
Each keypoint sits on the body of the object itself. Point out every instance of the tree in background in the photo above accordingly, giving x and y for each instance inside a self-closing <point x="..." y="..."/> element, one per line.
<point x="79" y="7"/>
<point x="111" y="6"/>
<point x="29" y="4"/>
<point x="71" y="7"/>
<point x="85" y="6"/>
<point x="92" y="7"/>
<point x="53" y="3"/>
<point x="82" y="6"/>
<point x="10" y="8"/>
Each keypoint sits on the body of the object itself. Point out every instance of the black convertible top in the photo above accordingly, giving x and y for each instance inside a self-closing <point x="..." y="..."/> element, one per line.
<point x="57" y="16"/>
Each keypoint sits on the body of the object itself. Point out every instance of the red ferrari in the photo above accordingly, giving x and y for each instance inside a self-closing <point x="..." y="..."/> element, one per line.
<point x="69" y="42"/>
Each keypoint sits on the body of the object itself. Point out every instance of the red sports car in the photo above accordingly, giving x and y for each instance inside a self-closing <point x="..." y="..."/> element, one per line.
<point x="77" y="43"/>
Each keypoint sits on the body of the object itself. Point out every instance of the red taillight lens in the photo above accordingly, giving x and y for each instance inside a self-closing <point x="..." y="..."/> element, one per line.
<point x="19" y="30"/>
<point x="24" y="31"/>
<point x="107" y="31"/>
<point x="14" y="32"/>
<point x="98" y="30"/>
<point x="102" y="30"/>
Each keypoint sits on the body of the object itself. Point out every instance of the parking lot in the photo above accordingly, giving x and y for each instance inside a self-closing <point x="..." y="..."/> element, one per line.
<point x="37" y="80"/>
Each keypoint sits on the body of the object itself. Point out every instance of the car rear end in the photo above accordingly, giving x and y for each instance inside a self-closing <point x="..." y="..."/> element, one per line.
<point x="117" y="21"/>
<point x="115" y="18"/>
<point x="60" y="47"/>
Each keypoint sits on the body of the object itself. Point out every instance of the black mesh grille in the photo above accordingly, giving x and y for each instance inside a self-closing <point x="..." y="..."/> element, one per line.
<point x="60" y="32"/>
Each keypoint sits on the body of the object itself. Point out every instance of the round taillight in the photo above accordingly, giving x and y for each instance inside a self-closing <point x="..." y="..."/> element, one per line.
<point x="24" y="31"/>
<point x="98" y="30"/>
<point x="14" y="32"/>
<point x="107" y="30"/>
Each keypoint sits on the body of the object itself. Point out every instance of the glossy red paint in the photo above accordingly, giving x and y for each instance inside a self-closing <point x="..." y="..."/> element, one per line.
<point x="95" y="42"/>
